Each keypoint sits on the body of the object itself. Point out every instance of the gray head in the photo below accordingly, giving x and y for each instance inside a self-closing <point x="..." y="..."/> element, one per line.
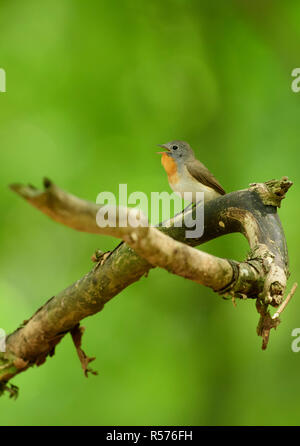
<point x="179" y="150"/>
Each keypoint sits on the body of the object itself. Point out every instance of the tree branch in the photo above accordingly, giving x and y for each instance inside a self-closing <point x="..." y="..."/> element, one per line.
<point x="263" y="275"/>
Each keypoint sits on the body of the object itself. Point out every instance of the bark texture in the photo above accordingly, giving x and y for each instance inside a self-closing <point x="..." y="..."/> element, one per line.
<point x="262" y="276"/>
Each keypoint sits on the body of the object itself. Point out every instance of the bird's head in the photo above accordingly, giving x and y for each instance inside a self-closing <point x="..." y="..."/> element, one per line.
<point x="178" y="150"/>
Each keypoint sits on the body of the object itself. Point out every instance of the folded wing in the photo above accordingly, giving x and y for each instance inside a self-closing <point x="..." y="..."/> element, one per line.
<point x="202" y="174"/>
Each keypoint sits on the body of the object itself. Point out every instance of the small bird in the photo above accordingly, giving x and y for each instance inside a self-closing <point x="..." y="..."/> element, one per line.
<point x="186" y="173"/>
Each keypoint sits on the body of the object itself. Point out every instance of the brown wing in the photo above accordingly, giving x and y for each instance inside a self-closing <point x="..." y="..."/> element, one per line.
<point x="202" y="174"/>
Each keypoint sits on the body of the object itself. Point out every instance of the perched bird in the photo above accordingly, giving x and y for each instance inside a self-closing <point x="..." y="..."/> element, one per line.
<point x="186" y="173"/>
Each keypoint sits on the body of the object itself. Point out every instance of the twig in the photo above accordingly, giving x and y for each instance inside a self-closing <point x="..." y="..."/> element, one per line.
<point x="76" y="334"/>
<point x="286" y="301"/>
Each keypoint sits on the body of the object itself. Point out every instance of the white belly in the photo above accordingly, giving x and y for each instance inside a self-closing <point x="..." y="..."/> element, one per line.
<point x="193" y="186"/>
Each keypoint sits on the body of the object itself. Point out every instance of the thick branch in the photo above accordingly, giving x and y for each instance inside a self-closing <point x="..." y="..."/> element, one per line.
<point x="263" y="275"/>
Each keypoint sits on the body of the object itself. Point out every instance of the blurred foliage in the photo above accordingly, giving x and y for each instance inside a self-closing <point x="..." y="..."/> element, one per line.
<point x="92" y="87"/>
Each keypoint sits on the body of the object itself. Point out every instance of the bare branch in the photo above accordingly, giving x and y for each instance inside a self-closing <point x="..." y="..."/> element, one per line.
<point x="262" y="276"/>
<point x="286" y="301"/>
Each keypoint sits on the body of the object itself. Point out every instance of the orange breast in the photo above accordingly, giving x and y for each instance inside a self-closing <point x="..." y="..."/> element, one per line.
<point x="170" y="167"/>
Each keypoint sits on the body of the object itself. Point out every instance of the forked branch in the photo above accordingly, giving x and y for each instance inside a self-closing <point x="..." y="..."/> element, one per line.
<point x="262" y="276"/>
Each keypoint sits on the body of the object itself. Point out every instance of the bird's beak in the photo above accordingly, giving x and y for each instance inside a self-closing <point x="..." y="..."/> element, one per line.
<point x="163" y="146"/>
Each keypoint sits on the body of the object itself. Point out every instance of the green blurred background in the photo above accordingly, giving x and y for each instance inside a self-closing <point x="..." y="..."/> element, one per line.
<point x="92" y="87"/>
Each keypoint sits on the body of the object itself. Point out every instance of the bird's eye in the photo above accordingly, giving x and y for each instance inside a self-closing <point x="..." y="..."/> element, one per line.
<point x="175" y="147"/>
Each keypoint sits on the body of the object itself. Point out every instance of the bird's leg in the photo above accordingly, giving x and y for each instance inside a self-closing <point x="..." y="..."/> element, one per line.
<point x="188" y="207"/>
